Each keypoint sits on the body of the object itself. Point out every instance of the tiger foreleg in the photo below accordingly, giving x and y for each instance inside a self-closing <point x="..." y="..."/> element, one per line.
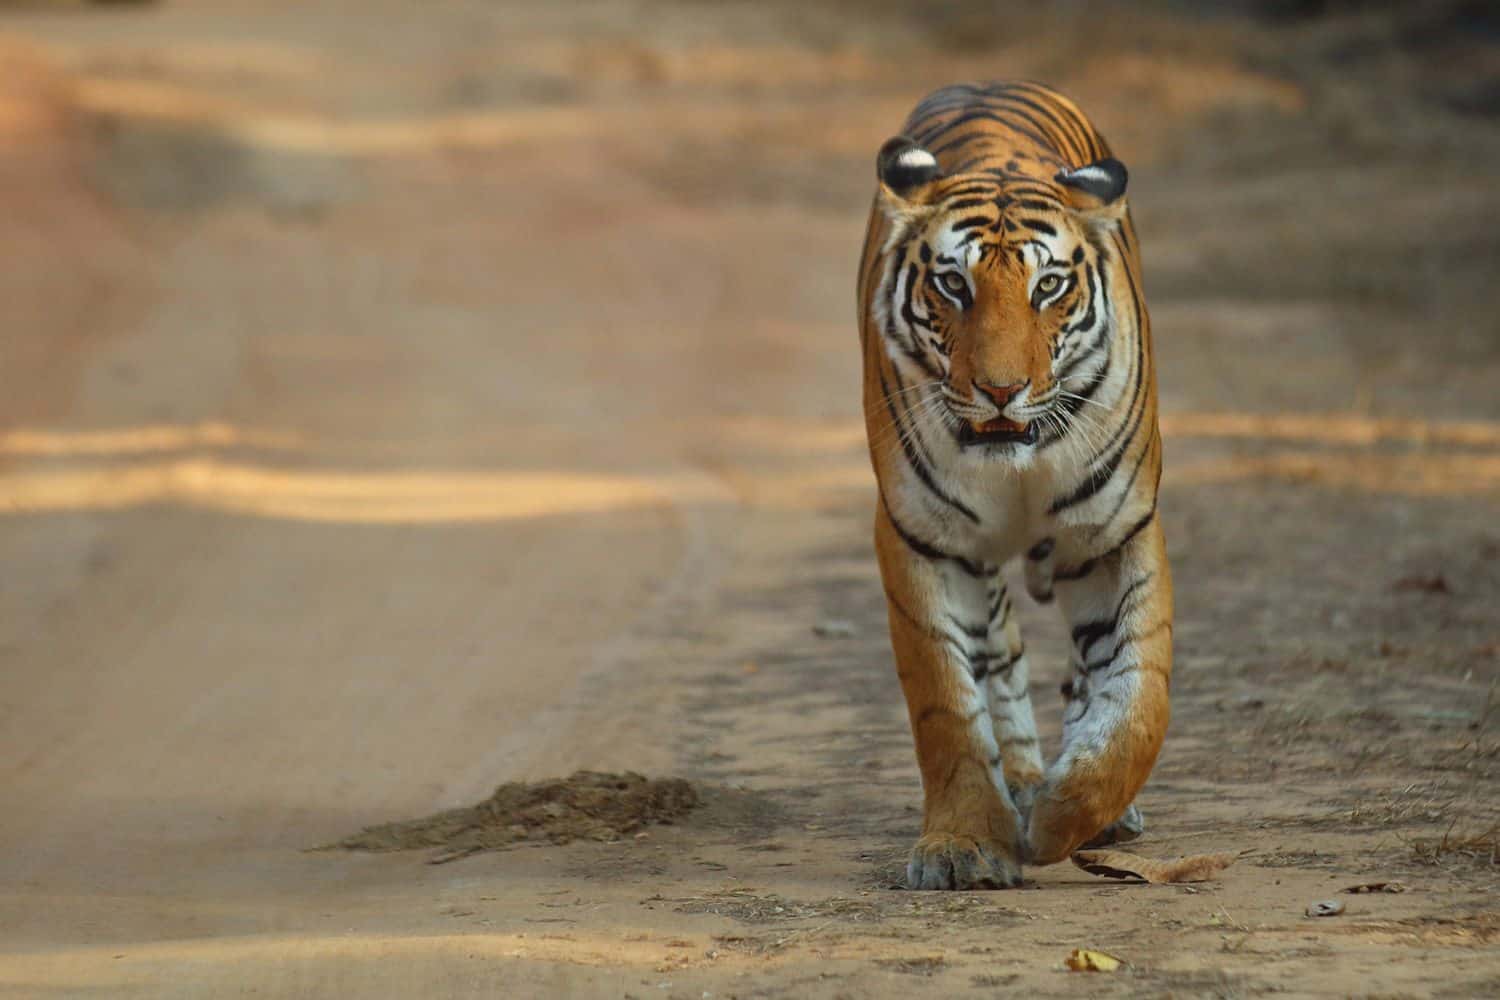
<point x="1006" y="677"/>
<point x="971" y="832"/>
<point x="1120" y="609"/>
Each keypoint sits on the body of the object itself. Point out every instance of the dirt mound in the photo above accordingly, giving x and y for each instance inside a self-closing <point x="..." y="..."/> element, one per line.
<point x="587" y="805"/>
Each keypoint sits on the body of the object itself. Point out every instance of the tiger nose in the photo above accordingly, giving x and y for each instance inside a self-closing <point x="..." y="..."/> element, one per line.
<point x="1000" y="395"/>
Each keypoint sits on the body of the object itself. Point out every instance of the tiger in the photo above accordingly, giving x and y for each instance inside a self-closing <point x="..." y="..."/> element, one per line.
<point x="1011" y="414"/>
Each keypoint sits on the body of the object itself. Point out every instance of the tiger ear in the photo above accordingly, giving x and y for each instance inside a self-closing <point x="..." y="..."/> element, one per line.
<point x="1096" y="190"/>
<point x="907" y="173"/>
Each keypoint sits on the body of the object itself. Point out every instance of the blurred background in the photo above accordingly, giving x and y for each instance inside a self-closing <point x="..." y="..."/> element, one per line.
<point x="400" y="398"/>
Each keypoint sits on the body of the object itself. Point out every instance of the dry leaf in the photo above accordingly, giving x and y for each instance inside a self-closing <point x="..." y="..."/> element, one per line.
<point x="1122" y="864"/>
<point x="1088" y="960"/>
<point x="1325" y="908"/>
<point x="1376" y="887"/>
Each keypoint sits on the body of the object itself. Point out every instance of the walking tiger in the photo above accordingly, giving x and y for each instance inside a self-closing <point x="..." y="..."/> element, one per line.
<point x="1010" y="406"/>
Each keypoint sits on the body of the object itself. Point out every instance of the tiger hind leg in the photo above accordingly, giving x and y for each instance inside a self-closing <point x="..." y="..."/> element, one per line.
<point x="1122" y="831"/>
<point x="1006" y="677"/>
<point x="1119" y="605"/>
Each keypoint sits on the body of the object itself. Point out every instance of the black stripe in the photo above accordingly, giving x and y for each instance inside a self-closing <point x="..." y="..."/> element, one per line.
<point x="926" y="549"/>
<point x="1077" y="131"/>
<point x="1084" y="636"/>
<point x="913" y="273"/>
<point x="981" y="631"/>
<point x="1125" y="492"/>
<point x="1093" y="387"/>
<point x="986" y="665"/>
<point x="933" y="710"/>
<point x="961" y="651"/>
<point x="1096" y="630"/>
<point x="1057" y="138"/>
<point x="1086" y="567"/>
<point x="972" y="162"/>
<point x="910" y="344"/>
<point x="919" y="462"/>
<point x="1087" y="322"/>
<point x="1092" y="485"/>
<point x="984" y="113"/>
<point x="1122" y="642"/>
<point x="1140" y="343"/>
<point x="1114" y="449"/>
<point x="978" y="187"/>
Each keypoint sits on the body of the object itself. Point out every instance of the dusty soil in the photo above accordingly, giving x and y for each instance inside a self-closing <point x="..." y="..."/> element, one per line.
<point x="403" y="400"/>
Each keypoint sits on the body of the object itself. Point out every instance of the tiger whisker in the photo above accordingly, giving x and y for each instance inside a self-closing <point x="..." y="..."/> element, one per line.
<point x="900" y="393"/>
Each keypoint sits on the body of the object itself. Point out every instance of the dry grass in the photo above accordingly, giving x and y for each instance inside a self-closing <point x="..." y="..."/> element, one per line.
<point x="939" y="910"/>
<point x="1416" y="802"/>
<point x="924" y="965"/>
<point x="1481" y="848"/>
<point x="751" y="907"/>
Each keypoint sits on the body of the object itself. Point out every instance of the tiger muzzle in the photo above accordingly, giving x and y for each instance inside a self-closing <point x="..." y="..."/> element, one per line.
<point x="998" y="431"/>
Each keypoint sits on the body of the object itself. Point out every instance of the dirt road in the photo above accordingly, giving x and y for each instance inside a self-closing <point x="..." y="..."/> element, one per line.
<point x="403" y="399"/>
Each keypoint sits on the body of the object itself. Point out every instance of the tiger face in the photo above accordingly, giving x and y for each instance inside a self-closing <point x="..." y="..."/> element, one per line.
<point x="996" y="290"/>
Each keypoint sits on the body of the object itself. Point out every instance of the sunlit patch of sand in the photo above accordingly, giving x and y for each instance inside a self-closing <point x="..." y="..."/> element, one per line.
<point x="769" y="462"/>
<point x="1331" y="428"/>
<point x="116" y="965"/>
<point x="1411" y="474"/>
<point x="140" y="440"/>
<point x="231" y="62"/>
<point x="349" y="497"/>
<point x="295" y="131"/>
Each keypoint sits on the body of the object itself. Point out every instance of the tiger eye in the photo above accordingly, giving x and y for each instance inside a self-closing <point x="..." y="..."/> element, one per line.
<point x="954" y="283"/>
<point x="1049" y="284"/>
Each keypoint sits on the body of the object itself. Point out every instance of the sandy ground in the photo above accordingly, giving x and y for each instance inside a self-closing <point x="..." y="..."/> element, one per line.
<point x="403" y="399"/>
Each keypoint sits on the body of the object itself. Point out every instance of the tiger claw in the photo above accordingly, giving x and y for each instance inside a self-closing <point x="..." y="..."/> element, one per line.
<point x="1128" y="827"/>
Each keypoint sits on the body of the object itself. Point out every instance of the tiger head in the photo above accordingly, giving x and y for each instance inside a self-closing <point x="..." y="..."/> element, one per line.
<point x="996" y="285"/>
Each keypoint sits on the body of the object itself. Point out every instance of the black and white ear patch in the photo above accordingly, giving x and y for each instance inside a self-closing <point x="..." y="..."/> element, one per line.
<point x="1103" y="179"/>
<point x="904" y="166"/>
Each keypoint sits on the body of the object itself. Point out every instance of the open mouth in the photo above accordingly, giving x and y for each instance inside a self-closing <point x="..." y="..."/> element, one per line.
<point x="998" y="431"/>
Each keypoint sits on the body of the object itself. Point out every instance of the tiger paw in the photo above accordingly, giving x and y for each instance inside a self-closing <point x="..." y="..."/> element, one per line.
<point x="1128" y="827"/>
<point x="948" y="861"/>
<point x="1024" y="797"/>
